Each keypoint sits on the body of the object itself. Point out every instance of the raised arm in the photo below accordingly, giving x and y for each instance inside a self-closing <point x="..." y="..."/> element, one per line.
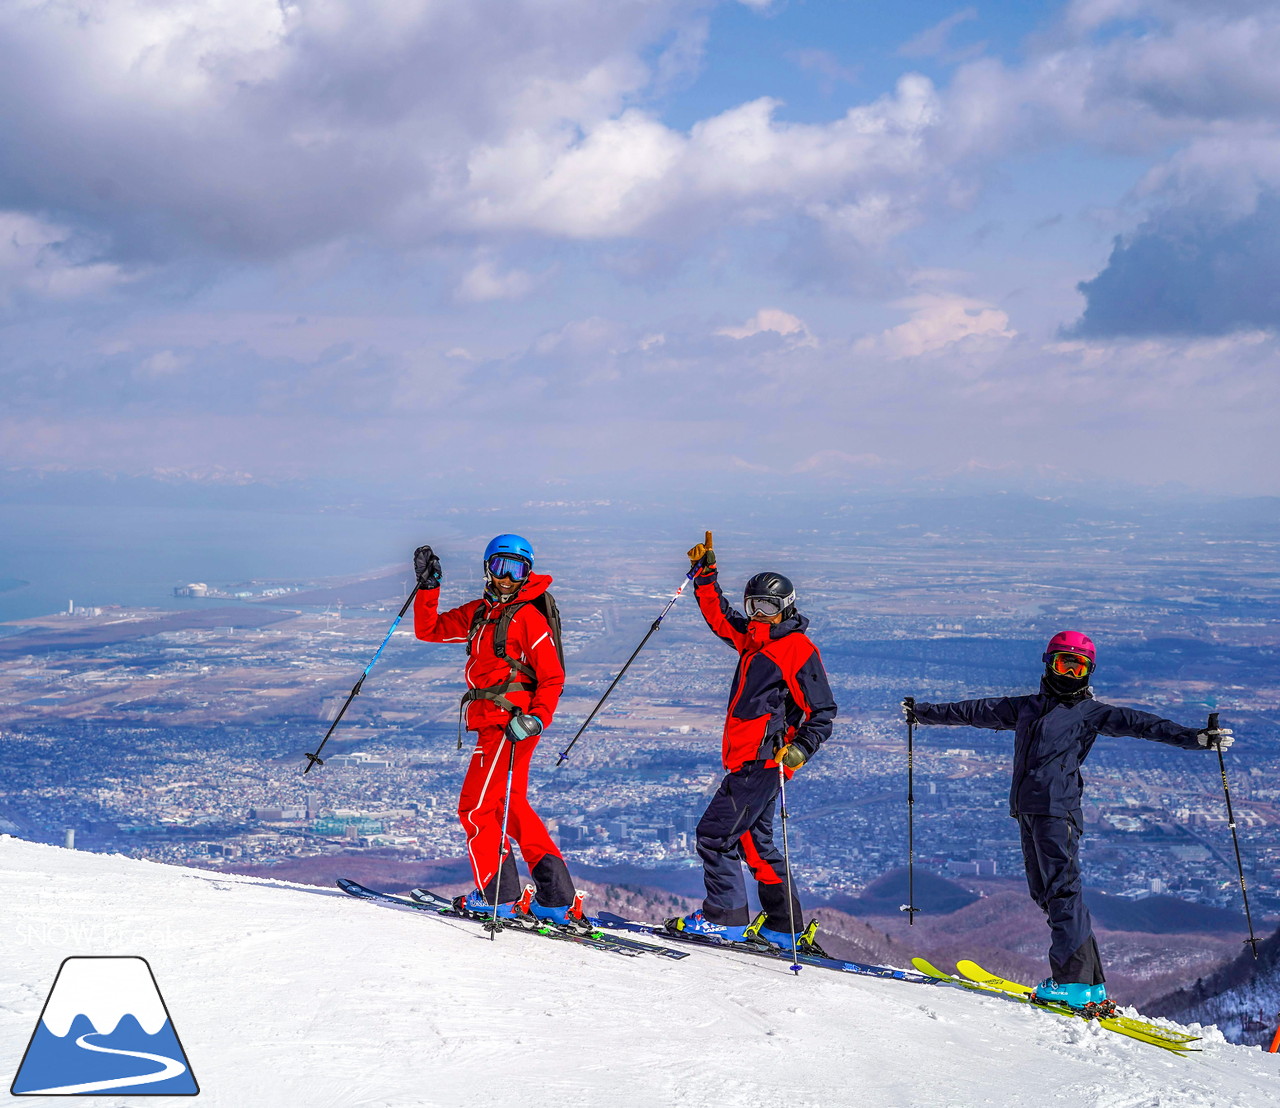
<point x="724" y="621"/>
<point x="431" y="625"/>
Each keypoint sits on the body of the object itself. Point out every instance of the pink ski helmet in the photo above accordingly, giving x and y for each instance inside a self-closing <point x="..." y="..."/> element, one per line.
<point x="1073" y="642"/>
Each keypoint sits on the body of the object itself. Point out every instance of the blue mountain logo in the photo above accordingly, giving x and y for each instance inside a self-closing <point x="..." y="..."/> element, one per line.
<point x="105" y="1029"/>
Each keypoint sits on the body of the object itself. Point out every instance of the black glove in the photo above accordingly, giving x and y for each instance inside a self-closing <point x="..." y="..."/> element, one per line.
<point x="427" y="566"/>
<point x="909" y="710"/>
<point x="520" y="727"/>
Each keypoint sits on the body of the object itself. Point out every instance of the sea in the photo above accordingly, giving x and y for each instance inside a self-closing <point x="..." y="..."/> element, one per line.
<point x="52" y="556"/>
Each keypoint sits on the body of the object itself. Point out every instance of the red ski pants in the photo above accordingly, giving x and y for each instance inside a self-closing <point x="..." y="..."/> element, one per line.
<point x="480" y="811"/>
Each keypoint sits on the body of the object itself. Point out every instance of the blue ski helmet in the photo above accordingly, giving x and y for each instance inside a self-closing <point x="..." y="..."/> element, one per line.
<point x="508" y="556"/>
<point x="513" y="545"/>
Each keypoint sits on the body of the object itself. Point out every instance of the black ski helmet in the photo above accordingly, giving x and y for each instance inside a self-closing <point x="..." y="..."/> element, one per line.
<point x="772" y="586"/>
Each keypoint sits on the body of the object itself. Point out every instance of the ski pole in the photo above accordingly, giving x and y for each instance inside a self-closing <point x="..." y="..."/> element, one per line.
<point x="564" y="754"/>
<point x="786" y="861"/>
<point x="315" y="759"/>
<point x="910" y="907"/>
<point x="502" y="842"/>
<point x="1251" y="941"/>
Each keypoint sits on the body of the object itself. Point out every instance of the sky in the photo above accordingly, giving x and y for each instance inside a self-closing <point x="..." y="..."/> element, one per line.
<point x="824" y="243"/>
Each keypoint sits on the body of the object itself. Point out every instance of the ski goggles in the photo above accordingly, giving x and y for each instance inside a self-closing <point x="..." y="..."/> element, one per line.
<point x="767" y="606"/>
<point x="503" y="565"/>
<point x="1070" y="665"/>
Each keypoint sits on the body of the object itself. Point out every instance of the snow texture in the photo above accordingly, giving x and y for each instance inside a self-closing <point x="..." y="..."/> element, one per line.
<point x="290" y="995"/>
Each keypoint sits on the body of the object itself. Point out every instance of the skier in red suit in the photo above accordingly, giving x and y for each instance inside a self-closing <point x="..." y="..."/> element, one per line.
<point x="513" y="688"/>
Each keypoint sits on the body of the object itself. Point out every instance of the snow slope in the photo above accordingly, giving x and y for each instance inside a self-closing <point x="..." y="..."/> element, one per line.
<point x="293" y="996"/>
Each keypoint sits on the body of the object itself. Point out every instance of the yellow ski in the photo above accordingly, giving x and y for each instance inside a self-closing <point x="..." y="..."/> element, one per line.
<point x="979" y="980"/>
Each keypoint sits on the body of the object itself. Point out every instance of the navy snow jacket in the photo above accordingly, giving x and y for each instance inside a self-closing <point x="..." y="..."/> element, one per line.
<point x="1053" y="736"/>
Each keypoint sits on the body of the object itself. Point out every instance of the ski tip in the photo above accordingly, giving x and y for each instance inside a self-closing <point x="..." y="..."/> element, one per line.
<point x="930" y="970"/>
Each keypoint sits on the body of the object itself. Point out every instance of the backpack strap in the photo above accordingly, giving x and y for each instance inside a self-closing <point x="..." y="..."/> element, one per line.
<point x="520" y="676"/>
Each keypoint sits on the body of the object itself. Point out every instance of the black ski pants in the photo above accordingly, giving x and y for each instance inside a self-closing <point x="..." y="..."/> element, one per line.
<point x="737" y="827"/>
<point x="1051" y="853"/>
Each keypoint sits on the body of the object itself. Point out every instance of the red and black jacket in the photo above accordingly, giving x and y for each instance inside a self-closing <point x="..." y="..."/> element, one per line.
<point x="780" y="692"/>
<point x="528" y="641"/>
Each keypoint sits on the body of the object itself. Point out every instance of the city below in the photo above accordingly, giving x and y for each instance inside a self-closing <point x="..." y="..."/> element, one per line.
<point x="180" y="735"/>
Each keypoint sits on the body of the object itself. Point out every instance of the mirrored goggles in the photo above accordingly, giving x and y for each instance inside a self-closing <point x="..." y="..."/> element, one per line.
<point x="1070" y="665"/>
<point x="767" y="606"/>
<point x="503" y="565"/>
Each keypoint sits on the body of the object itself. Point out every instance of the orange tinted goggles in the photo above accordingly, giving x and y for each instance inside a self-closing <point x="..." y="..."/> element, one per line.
<point x="1070" y="665"/>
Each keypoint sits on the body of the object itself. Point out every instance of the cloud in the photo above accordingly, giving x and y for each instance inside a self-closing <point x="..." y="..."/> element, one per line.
<point x="601" y="397"/>
<point x="485" y="281"/>
<point x="773" y="320"/>
<point x="252" y="130"/>
<point x="1187" y="272"/>
<point x="49" y="262"/>
<point x="937" y="321"/>
<point x="935" y="41"/>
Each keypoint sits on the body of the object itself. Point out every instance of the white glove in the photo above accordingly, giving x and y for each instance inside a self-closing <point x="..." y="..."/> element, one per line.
<point x="1219" y="737"/>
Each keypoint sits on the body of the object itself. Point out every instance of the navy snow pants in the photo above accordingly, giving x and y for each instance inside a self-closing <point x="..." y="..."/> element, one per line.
<point x="737" y="827"/>
<point x="1051" y="853"/>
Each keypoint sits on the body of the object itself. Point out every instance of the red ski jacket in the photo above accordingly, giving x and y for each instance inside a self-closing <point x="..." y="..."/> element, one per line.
<point x="528" y="641"/>
<point x="780" y="693"/>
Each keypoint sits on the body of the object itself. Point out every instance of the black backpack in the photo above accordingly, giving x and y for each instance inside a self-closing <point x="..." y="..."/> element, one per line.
<point x="520" y="675"/>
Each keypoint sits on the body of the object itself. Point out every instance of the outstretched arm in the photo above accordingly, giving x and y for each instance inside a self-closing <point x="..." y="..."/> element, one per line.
<point x="996" y="713"/>
<point x="1130" y="723"/>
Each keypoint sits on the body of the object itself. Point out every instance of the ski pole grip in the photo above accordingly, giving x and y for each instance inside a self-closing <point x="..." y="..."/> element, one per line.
<point x="1213" y="721"/>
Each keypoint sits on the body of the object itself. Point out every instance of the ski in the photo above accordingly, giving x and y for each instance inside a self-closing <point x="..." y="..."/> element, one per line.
<point x="362" y="892"/>
<point x="977" y="979"/>
<point x="976" y="973"/>
<point x="615" y="922"/>
<point x="445" y="905"/>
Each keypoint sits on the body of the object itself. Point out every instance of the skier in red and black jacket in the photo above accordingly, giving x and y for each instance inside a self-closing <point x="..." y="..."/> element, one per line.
<point x="513" y="690"/>
<point x="780" y="712"/>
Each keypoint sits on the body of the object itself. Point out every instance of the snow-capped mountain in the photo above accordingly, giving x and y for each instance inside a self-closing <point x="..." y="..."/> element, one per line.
<point x="293" y="996"/>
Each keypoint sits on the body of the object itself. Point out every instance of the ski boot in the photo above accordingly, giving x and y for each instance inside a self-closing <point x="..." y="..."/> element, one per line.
<point x="803" y="942"/>
<point x="567" y="916"/>
<point x="1072" y="994"/>
<point x="476" y="906"/>
<point x="698" y="924"/>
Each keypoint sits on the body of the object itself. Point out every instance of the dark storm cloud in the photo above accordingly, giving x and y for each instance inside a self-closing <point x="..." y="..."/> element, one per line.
<point x="1188" y="273"/>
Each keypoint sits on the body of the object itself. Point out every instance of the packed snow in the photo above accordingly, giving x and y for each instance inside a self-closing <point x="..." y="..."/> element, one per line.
<point x="299" y="997"/>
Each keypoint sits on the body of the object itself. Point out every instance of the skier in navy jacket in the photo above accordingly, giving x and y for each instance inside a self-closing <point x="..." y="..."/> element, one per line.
<point x="780" y="712"/>
<point x="1054" y="731"/>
